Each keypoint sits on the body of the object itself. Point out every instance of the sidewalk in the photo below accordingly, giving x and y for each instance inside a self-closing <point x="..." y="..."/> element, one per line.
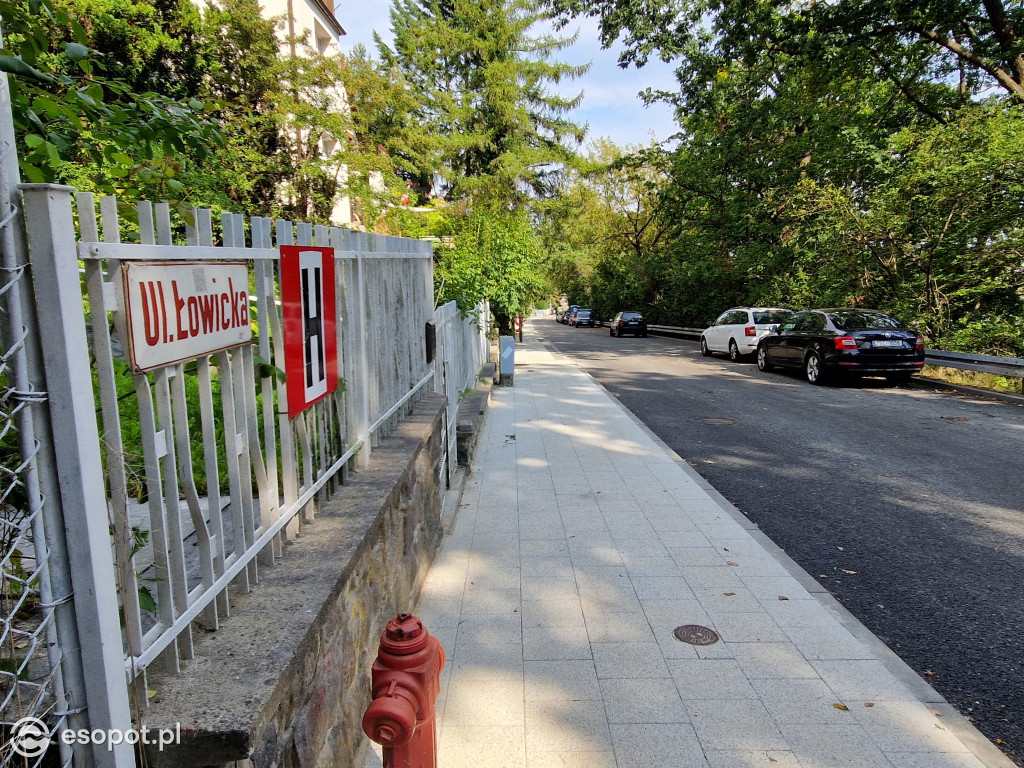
<point x="580" y="545"/>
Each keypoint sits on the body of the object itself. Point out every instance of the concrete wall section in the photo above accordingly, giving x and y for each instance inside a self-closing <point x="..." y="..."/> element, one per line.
<point x="286" y="680"/>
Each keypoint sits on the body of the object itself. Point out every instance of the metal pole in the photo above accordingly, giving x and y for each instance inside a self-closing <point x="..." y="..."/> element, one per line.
<point x="82" y="498"/>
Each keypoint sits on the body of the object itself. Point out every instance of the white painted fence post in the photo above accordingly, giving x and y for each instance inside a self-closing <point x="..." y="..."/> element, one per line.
<point x="51" y="236"/>
<point x="362" y="359"/>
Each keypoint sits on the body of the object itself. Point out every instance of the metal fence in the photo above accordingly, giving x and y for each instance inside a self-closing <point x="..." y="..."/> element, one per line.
<point x="180" y="480"/>
<point x="462" y="349"/>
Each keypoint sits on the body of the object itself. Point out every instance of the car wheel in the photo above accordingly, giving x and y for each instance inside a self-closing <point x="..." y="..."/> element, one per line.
<point x="704" y="347"/>
<point x="814" y="368"/>
<point x="763" y="364"/>
<point x="611" y="331"/>
<point x="734" y="351"/>
<point x="899" y="378"/>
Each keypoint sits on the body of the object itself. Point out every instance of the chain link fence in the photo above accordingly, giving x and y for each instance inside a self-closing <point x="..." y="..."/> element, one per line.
<point x="33" y="706"/>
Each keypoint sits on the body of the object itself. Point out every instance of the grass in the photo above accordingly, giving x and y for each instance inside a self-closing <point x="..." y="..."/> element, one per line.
<point x="1005" y="384"/>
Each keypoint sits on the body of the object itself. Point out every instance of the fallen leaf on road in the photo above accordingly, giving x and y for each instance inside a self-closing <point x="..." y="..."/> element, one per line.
<point x="935" y="712"/>
<point x="783" y="597"/>
<point x="851" y="573"/>
<point x="708" y="461"/>
<point x="869" y="703"/>
<point x="734" y="565"/>
<point x="929" y="673"/>
<point x="729" y="594"/>
<point x="842" y="707"/>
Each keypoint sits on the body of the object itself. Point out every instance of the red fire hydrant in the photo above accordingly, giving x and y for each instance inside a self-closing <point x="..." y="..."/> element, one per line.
<point x="406" y="680"/>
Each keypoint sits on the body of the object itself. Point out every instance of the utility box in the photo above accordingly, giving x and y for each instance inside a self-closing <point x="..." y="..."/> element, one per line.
<point x="431" y="342"/>
<point x="507" y="359"/>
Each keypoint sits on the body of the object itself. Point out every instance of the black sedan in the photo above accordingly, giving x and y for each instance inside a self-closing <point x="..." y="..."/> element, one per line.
<point x="628" y="322"/>
<point x="582" y="317"/>
<point x="856" y="342"/>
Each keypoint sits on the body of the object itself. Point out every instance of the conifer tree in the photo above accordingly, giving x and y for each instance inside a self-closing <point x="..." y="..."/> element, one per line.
<point x="483" y="78"/>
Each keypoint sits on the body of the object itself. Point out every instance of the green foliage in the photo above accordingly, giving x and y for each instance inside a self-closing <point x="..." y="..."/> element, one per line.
<point x="830" y="155"/>
<point x="70" y="114"/>
<point x="488" y="121"/>
<point x="495" y="256"/>
<point x="924" y="221"/>
<point x="384" y="110"/>
<point x="914" y="44"/>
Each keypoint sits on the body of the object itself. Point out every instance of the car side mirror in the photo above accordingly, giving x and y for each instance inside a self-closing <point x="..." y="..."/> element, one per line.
<point x="777" y="328"/>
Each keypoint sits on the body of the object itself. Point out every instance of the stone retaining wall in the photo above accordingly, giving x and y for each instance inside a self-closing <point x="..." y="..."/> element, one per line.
<point x="285" y="680"/>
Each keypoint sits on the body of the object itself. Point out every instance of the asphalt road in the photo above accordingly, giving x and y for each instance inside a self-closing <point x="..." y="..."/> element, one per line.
<point x="906" y="503"/>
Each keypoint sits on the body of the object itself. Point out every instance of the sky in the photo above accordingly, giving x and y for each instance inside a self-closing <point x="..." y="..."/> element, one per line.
<point x="610" y="105"/>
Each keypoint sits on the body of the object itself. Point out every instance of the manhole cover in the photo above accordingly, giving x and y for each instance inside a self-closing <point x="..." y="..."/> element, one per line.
<point x="695" y="634"/>
<point x="720" y="422"/>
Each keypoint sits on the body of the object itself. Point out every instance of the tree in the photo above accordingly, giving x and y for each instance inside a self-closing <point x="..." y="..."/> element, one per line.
<point x="242" y="83"/>
<point x="390" y="153"/>
<point x="483" y="79"/>
<point x="495" y="256"/>
<point x="941" y="240"/>
<point x="608" y="219"/>
<point x="975" y="39"/>
<point x="67" y="114"/>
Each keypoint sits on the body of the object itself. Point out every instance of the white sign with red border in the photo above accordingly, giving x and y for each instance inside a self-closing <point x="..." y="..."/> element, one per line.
<point x="178" y="311"/>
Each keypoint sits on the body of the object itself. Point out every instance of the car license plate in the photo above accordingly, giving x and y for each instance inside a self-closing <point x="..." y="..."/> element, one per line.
<point x="888" y="343"/>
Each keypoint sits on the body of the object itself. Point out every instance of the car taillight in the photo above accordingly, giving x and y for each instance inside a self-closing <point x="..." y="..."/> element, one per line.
<point x="845" y="342"/>
<point x="750" y="330"/>
<point x="920" y="342"/>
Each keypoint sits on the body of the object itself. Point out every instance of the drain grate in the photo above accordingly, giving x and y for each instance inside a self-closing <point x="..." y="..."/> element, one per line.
<point x="695" y="634"/>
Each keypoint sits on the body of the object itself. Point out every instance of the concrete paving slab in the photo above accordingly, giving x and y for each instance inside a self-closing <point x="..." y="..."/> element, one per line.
<point x="581" y="542"/>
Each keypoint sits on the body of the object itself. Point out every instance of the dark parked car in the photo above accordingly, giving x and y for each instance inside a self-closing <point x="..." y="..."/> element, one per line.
<point x="582" y="317"/>
<point x="628" y="322"/>
<point x="852" y="341"/>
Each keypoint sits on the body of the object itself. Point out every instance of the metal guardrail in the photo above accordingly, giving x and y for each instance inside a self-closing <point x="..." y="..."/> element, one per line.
<point x="1000" y="366"/>
<point x="669" y="330"/>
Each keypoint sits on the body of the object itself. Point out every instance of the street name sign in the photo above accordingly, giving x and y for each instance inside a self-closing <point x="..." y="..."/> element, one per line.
<point x="179" y="311"/>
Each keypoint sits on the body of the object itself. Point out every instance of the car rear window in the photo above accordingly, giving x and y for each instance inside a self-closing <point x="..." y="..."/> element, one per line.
<point x="632" y="316"/>
<point x="864" y="321"/>
<point x="583" y="313"/>
<point x="772" y="316"/>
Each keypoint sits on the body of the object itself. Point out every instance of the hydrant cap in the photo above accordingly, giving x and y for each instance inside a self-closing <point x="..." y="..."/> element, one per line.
<point x="404" y="634"/>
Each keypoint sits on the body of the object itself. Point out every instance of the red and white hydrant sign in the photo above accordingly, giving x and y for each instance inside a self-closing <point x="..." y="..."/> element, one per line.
<point x="179" y="311"/>
<point x="310" y="338"/>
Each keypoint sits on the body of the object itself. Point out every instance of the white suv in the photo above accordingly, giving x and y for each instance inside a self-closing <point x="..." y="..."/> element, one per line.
<point x="738" y="330"/>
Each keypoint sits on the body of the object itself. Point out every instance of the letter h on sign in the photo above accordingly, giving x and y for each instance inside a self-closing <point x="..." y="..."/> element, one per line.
<point x="310" y="341"/>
